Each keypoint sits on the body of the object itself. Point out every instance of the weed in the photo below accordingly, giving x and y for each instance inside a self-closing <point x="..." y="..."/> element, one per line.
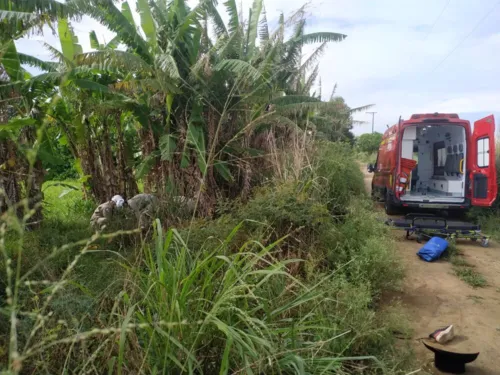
<point x="337" y="177"/>
<point x="460" y="261"/>
<point x="463" y="269"/>
<point x="470" y="276"/>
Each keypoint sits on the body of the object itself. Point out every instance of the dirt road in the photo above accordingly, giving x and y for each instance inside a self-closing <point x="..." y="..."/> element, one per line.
<point x="434" y="297"/>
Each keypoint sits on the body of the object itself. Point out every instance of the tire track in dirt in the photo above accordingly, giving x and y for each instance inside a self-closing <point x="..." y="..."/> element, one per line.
<point x="433" y="297"/>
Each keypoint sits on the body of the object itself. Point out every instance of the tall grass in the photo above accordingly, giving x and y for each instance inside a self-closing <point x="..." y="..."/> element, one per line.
<point x="235" y="312"/>
<point x="286" y="283"/>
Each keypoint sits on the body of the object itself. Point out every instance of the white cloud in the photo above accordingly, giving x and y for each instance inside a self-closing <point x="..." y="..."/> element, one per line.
<point x="393" y="55"/>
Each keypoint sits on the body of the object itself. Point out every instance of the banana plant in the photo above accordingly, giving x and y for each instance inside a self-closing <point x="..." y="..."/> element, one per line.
<point x="201" y="106"/>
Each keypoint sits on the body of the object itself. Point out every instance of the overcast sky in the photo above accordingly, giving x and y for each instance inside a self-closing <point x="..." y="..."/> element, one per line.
<point x="403" y="56"/>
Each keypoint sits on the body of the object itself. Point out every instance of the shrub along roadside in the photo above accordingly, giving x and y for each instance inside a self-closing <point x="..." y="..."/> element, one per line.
<point x="302" y="304"/>
<point x="276" y="285"/>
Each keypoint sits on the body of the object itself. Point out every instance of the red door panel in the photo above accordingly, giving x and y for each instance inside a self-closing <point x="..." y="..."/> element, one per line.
<point x="483" y="178"/>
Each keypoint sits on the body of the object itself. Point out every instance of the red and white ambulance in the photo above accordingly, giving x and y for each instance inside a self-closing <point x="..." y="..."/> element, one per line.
<point x="435" y="161"/>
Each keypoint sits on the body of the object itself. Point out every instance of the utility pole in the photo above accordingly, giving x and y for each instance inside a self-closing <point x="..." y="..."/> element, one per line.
<point x="373" y="120"/>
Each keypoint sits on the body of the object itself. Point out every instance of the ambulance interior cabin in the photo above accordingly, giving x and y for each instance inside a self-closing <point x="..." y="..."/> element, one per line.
<point x="440" y="152"/>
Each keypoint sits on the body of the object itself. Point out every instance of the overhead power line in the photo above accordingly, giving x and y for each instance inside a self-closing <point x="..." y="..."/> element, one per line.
<point x="437" y="19"/>
<point x="467" y="36"/>
<point x="411" y="56"/>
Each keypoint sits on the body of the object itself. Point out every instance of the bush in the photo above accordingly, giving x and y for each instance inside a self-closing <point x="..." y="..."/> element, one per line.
<point x="243" y="311"/>
<point x="369" y="142"/>
<point x="288" y="282"/>
<point x="337" y="176"/>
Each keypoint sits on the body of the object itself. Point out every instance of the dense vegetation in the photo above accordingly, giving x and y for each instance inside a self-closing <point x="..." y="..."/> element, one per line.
<point x="369" y="142"/>
<point x="283" y="265"/>
<point x="274" y="285"/>
<point x="163" y="102"/>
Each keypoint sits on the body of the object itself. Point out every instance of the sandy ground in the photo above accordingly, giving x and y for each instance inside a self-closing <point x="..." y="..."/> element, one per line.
<point x="434" y="297"/>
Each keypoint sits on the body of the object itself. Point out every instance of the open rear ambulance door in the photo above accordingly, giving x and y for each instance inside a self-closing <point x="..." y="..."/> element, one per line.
<point x="483" y="174"/>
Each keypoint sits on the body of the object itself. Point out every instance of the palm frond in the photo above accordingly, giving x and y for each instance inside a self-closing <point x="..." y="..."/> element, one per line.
<point x="322" y="37"/>
<point x="253" y="25"/>
<point x="298" y="31"/>
<point x="294" y="47"/>
<point x="53" y="8"/>
<point x="147" y="22"/>
<point x="217" y="22"/>
<point x="227" y="47"/>
<point x="10" y="61"/>
<point x="50" y="78"/>
<point x="361" y="109"/>
<point x="127" y="13"/>
<point x="264" y="27"/>
<point x="280" y="33"/>
<point x="268" y="67"/>
<point x="240" y="68"/>
<point x="48" y="66"/>
<point x="333" y="92"/>
<point x="113" y="43"/>
<point x="166" y="63"/>
<point x="69" y="41"/>
<point x="160" y="15"/>
<point x="14" y="25"/>
<point x="56" y="54"/>
<point x="314" y="57"/>
<point x="110" y="16"/>
<point x="16" y="17"/>
<point x="114" y="60"/>
<point x="94" y="42"/>
<point x="199" y="66"/>
<point x="296" y="17"/>
<point x="311" y="79"/>
<point x="234" y="20"/>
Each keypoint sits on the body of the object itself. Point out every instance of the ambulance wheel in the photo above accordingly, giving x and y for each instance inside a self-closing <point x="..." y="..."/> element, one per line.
<point x="390" y="208"/>
<point x="485" y="242"/>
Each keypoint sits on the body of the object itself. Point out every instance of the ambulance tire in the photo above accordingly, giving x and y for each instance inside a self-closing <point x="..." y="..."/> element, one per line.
<point x="390" y="208"/>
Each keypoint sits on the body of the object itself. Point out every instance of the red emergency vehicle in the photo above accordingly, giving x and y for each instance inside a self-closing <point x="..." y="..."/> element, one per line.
<point x="435" y="161"/>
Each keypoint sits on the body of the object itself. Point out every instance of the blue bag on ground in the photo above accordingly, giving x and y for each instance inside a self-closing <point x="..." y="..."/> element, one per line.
<point x="433" y="249"/>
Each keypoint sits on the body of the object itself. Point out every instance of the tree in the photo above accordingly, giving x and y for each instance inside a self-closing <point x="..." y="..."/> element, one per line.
<point x="369" y="142"/>
<point x="186" y="113"/>
<point x="200" y="105"/>
<point x="22" y="101"/>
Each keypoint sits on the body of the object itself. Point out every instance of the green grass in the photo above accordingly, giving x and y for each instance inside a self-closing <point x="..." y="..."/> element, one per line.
<point x="460" y="261"/>
<point x="289" y="282"/>
<point x="463" y="269"/>
<point x="490" y="224"/>
<point x="470" y="276"/>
